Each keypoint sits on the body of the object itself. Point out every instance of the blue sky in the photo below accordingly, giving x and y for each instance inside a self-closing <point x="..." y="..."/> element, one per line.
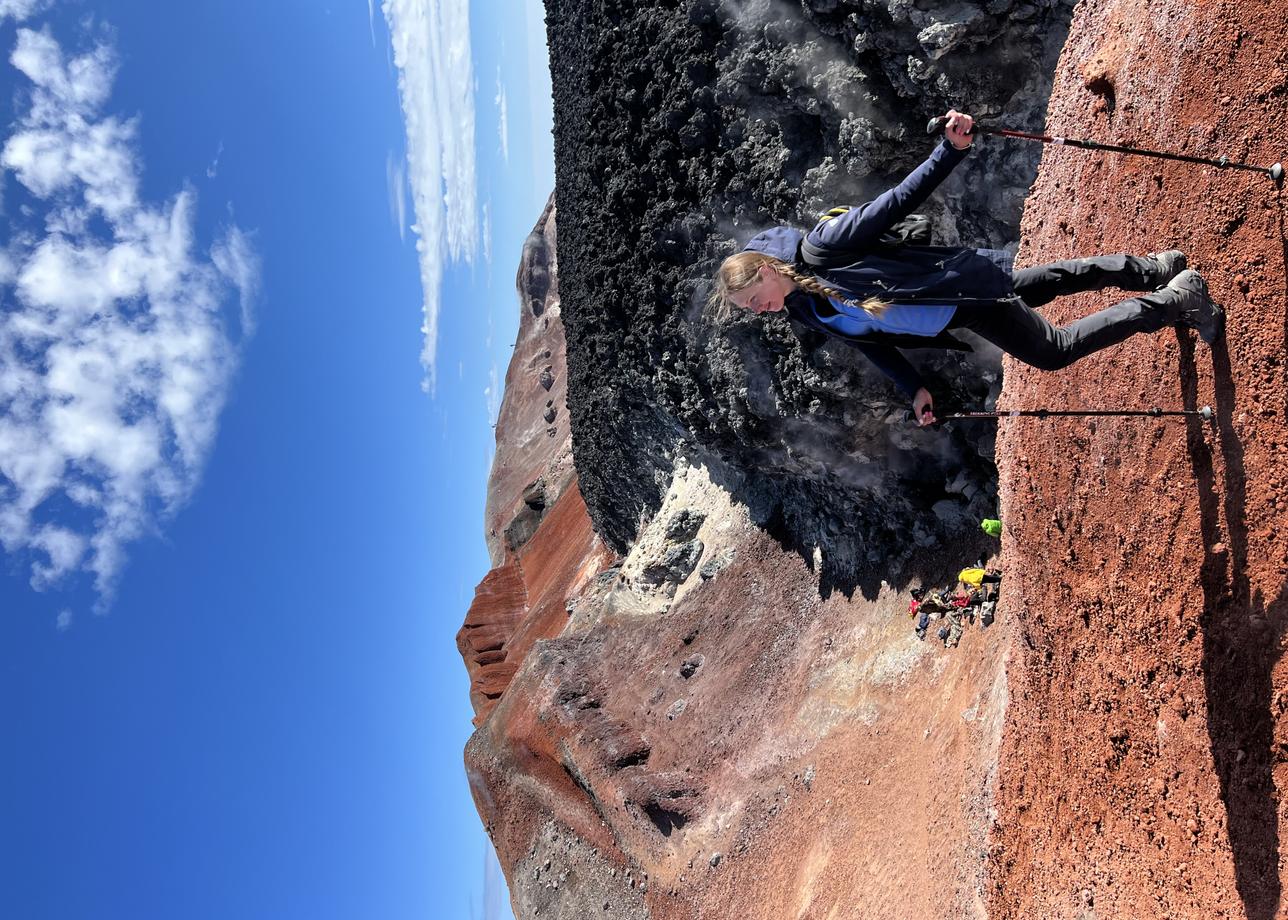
<point x="256" y="301"/>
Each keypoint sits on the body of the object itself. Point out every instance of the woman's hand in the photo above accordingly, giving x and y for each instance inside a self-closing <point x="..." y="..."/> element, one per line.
<point x="923" y="408"/>
<point x="958" y="129"/>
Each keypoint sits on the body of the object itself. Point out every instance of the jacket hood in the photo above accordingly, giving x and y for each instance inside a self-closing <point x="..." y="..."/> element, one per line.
<point x="780" y="242"/>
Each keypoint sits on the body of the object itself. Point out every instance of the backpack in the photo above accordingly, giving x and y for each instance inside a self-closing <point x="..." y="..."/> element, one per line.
<point x="913" y="230"/>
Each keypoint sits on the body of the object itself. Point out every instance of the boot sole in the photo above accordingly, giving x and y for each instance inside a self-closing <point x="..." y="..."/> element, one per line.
<point x="1211" y="327"/>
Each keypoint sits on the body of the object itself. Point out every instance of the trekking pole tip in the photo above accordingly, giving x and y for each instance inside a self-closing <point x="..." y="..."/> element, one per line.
<point x="1277" y="173"/>
<point x="1206" y="412"/>
<point x="935" y="125"/>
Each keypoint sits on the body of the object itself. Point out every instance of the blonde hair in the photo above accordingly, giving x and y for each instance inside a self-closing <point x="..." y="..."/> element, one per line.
<point x="740" y="270"/>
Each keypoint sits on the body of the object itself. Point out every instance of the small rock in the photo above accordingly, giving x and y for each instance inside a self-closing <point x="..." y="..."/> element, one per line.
<point x="676" y="709"/>
<point x="691" y="665"/>
<point x="712" y="568"/>
<point x="684" y="525"/>
<point x="715" y="860"/>
<point x="675" y="565"/>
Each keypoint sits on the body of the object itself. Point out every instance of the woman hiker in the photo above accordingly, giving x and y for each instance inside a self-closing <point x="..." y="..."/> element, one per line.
<point x="880" y="295"/>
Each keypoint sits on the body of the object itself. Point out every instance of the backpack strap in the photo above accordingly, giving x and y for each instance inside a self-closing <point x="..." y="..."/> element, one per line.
<point x="820" y="257"/>
<point x="913" y="230"/>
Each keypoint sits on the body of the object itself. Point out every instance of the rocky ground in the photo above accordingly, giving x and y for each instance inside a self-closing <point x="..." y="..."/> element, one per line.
<point x="698" y="691"/>
<point x="1145" y="743"/>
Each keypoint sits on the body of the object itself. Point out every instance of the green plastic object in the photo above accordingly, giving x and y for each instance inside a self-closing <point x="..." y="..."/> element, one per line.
<point x="991" y="526"/>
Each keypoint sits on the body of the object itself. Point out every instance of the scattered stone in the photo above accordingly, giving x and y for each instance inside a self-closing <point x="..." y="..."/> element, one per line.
<point x="691" y="665"/>
<point x="714" y="566"/>
<point x="676" y="564"/>
<point x="608" y="576"/>
<point x="684" y="525"/>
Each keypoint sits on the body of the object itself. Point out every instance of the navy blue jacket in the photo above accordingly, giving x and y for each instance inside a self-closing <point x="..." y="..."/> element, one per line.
<point x="903" y="274"/>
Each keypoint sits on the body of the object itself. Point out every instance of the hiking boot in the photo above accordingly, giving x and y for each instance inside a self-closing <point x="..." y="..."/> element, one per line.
<point x="1165" y="266"/>
<point x="1192" y="306"/>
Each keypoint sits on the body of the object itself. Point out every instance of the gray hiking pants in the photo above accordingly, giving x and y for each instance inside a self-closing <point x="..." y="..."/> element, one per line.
<point x="1019" y="330"/>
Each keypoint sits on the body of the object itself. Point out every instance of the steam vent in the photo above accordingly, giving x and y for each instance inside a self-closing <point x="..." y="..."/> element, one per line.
<point x="697" y="686"/>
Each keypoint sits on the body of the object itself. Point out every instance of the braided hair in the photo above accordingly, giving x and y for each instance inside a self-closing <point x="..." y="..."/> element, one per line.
<point x="739" y="272"/>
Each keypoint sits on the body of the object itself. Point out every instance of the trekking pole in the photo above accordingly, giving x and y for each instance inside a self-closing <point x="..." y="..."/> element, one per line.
<point x="1204" y="413"/>
<point x="1275" y="171"/>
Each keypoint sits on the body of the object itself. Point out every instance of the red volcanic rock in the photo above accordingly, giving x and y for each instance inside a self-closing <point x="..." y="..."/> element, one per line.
<point x="540" y="536"/>
<point x="533" y="462"/>
<point x="500" y="602"/>
<point x="734" y="745"/>
<point x="526" y="598"/>
<point x="1145" y="741"/>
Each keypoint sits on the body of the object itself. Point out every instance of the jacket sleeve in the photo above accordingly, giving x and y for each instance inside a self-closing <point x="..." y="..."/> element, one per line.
<point x="891" y="362"/>
<point x="858" y="228"/>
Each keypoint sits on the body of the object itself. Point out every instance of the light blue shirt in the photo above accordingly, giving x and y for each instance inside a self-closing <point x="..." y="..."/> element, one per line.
<point x="902" y="318"/>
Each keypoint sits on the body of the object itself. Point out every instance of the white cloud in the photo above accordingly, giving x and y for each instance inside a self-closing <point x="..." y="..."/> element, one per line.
<point x="64" y="621"/>
<point x="115" y="348"/>
<point x="396" y="187"/>
<point x="371" y="20"/>
<point x="492" y="393"/>
<point x="213" y="169"/>
<point x="236" y="259"/>
<point x="63" y="547"/>
<point x="431" y="45"/>
<point x="19" y="9"/>
<point x="503" y="123"/>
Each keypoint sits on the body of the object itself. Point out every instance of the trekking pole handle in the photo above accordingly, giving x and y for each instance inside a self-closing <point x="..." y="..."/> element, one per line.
<point x="937" y="124"/>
